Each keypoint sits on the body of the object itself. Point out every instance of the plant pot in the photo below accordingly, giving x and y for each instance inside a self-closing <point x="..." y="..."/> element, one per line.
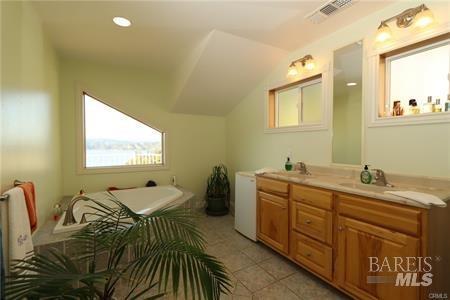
<point x="216" y="205"/>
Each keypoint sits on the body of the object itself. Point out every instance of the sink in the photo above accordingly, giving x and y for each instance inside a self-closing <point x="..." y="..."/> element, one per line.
<point x="294" y="174"/>
<point x="368" y="187"/>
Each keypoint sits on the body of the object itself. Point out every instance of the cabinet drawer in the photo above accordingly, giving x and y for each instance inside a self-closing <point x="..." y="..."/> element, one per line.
<point x="312" y="221"/>
<point x="385" y="214"/>
<point x="312" y="254"/>
<point x="312" y="196"/>
<point x="279" y="188"/>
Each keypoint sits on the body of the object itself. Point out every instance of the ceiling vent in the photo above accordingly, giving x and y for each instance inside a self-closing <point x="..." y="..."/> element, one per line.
<point x="328" y="9"/>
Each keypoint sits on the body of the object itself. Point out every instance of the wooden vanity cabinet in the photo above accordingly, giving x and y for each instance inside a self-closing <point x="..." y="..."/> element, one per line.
<point x="333" y="234"/>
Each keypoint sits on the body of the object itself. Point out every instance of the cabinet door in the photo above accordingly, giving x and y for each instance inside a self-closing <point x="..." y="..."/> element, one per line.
<point x="273" y="221"/>
<point x="357" y="242"/>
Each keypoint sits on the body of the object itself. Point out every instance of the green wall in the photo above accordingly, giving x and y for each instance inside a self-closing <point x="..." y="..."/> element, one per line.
<point x="194" y="143"/>
<point x="30" y="137"/>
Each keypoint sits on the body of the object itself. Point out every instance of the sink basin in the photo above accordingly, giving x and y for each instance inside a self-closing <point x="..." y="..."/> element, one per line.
<point x="294" y="174"/>
<point x="368" y="187"/>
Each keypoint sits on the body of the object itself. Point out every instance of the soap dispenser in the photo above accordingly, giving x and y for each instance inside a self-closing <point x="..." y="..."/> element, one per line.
<point x="366" y="176"/>
<point x="288" y="165"/>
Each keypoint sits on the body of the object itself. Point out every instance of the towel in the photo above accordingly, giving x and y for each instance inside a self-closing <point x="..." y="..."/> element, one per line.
<point x="266" y="170"/>
<point x="30" y="199"/>
<point x="2" y="266"/>
<point x="422" y="198"/>
<point x="20" y="243"/>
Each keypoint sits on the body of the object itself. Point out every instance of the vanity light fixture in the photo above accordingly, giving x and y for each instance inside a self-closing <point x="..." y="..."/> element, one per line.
<point x="351" y="83"/>
<point x="306" y="61"/>
<point x="122" y="22"/>
<point x="420" y="16"/>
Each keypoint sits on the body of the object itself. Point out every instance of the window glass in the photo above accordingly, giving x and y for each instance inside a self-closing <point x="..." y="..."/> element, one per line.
<point x="415" y="76"/>
<point x="312" y="103"/>
<point x="114" y="139"/>
<point x="287" y="101"/>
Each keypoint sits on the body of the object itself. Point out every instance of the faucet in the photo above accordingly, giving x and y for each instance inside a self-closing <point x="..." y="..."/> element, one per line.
<point x="302" y="168"/>
<point x="69" y="219"/>
<point x="380" y="178"/>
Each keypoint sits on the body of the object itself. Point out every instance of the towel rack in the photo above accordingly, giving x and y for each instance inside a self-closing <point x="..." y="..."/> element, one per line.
<point x="18" y="182"/>
<point x="4" y="197"/>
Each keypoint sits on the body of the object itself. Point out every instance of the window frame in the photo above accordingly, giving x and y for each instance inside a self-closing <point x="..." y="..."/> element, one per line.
<point x="271" y="105"/>
<point x="82" y="169"/>
<point x="378" y="87"/>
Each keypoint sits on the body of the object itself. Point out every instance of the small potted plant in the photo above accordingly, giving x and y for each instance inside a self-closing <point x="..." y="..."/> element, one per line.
<point x="218" y="191"/>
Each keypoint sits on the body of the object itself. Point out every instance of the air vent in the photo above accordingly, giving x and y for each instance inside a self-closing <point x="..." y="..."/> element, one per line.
<point x="332" y="7"/>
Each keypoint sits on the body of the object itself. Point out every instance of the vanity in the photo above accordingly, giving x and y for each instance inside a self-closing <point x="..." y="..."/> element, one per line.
<point x="331" y="225"/>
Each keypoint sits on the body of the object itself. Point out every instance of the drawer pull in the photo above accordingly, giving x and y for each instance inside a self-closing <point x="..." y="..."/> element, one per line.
<point x="308" y="254"/>
<point x="340" y="228"/>
<point x="308" y="222"/>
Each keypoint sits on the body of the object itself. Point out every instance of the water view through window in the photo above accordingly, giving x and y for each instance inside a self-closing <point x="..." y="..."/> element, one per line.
<point x="114" y="139"/>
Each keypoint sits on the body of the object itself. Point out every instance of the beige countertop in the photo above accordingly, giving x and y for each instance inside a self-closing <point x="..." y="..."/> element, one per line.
<point x="347" y="181"/>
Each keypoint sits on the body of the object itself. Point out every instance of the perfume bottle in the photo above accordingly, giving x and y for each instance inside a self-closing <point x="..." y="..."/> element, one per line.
<point x="397" y="109"/>
<point x="428" y="107"/>
<point x="447" y="104"/>
<point x="413" y="109"/>
<point x="437" y="106"/>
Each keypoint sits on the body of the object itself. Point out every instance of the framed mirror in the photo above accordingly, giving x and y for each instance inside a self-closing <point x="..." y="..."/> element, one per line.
<point x="347" y="105"/>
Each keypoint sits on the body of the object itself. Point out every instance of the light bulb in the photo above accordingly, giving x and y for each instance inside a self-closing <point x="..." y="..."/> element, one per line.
<point x="383" y="33"/>
<point x="292" y="71"/>
<point x="310" y="64"/>
<point x="121" y="21"/>
<point x="424" y="18"/>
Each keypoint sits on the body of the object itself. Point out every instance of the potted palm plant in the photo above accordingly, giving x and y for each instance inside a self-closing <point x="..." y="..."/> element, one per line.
<point x="218" y="191"/>
<point x="167" y="254"/>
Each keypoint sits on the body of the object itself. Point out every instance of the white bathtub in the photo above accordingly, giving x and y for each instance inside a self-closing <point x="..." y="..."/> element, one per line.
<point x="140" y="200"/>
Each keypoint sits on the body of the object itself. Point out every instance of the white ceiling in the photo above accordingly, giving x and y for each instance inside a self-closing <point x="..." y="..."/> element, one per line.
<point x="242" y="38"/>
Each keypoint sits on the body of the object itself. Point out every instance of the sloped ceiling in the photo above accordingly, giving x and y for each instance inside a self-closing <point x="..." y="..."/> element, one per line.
<point x="213" y="51"/>
<point x="229" y="66"/>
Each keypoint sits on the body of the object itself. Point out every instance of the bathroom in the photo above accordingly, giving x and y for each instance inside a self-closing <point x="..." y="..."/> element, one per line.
<point x="205" y="80"/>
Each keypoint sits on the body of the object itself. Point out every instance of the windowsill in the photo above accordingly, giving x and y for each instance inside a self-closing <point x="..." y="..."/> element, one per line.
<point x="426" y="118"/>
<point x="121" y="169"/>
<point x="311" y="127"/>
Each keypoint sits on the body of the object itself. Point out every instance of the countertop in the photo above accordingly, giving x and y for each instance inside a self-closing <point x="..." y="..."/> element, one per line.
<point x="347" y="181"/>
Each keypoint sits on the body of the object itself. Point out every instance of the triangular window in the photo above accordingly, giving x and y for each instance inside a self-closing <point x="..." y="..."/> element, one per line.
<point x="113" y="139"/>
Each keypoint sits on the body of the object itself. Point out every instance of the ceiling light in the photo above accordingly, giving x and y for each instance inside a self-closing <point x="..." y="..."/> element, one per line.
<point x="384" y="33"/>
<point x="307" y="62"/>
<point x="424" y="18"/>
<point x="121" y="21"/>
<point x="351" y="83"/>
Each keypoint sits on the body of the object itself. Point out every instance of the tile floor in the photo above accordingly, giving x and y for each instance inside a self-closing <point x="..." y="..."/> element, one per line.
<point x="256" y="271"/>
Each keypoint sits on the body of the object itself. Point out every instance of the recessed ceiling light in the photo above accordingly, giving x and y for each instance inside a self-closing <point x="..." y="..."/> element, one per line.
<point x="351" y="83"/>
<point x="121" y="21"/>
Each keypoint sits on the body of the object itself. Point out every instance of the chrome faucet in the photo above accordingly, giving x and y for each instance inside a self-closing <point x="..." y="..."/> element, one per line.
<point x="302" y="168"/>
<point x="69" y="219"/>
<point x="380" y="178"/>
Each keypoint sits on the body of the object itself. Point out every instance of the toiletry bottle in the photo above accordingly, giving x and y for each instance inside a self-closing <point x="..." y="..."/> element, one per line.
<point x="428" y="107"/>
<point x="288" y="164"/>
<point x="437" y="106"/>
<point x="447" y="104"/>
<point x="366" y="176"/>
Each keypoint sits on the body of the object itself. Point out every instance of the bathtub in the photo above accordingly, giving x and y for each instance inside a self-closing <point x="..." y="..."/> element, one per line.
<point x="140" y="200"/>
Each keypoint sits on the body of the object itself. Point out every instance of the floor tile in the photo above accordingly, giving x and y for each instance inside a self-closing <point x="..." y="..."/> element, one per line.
<point x="237" y="261"/>
<point x="275" y="291"/>
<point x="258" y="252"/>
<point x="254" y="278"/>
<point x="278" y="267"/>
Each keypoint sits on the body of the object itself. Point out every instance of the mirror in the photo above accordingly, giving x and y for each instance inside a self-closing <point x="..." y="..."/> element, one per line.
<point x="347" y="105"/>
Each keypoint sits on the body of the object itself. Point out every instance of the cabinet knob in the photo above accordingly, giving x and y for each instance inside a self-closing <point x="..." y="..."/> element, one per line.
<point x="340" y="228"/>
<point x="308" y="221"/>
<point x="308" y="254"/>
